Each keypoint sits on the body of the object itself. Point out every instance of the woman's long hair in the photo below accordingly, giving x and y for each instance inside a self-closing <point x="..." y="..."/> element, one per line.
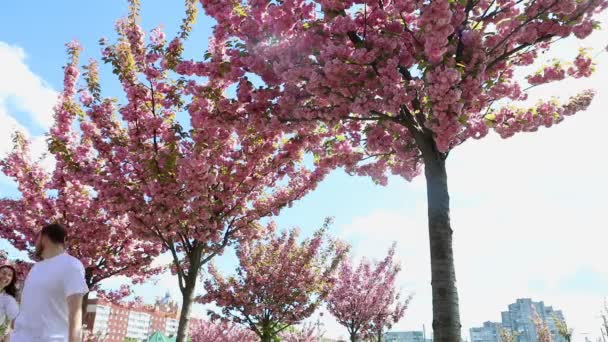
<point x="11" y="288"/>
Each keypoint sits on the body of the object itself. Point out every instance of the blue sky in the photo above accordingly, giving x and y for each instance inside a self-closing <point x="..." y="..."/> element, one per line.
<point x="528" y="212"/>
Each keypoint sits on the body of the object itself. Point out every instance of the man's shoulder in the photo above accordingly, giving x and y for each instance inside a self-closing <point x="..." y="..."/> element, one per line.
<point x="72" y="261"/>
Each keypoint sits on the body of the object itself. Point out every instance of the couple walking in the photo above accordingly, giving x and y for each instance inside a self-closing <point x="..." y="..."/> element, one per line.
<point x="51" y="301"/>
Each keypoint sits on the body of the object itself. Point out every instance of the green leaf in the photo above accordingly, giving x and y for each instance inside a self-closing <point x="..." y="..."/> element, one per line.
<point x="240" y="10"/>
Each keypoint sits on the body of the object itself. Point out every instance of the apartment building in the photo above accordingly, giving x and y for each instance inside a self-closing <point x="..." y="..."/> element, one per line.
<point x="117" y="322"/>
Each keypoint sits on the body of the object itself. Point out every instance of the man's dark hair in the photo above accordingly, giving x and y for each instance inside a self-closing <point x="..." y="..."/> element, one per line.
<point x="55" y="232"/>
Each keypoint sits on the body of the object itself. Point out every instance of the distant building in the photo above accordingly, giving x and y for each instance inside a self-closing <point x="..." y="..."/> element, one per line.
<point x="405" y="336"/>
<point x="519" y="319"/>
<point x="490" y="332"/>
<point x="115" y="322"/>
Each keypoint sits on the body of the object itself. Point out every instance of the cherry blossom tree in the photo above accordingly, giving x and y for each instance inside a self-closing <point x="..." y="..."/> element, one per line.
<point x="205" y="331"/>
<point x="188" y="166"/>
<point x="364" y="298"/>
<point x="401" y="83"/>
<point x="102" y="241"/>
<point x="279" y="281"/>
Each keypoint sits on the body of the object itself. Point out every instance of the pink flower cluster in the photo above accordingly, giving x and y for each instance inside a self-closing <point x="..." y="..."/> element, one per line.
<point x="583" y="66"/>
<point x="509" y="121"/>
<point x="205" y="331"/>
<point x="446" y="63"/>
<point x="307" y="333"/>
<point x="552" y="73"/>
<point x="436" y="26"/>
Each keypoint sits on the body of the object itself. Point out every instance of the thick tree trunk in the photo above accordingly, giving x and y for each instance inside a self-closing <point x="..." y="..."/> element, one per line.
<point x="353" y="337"/>
<point x="188" y="296"/>
<point x="184" y="317"/>
<point x="446" y="316"/>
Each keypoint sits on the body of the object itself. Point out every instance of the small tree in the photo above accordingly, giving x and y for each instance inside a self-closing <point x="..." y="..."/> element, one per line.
<point x="279" y="282"/>
<point x="364" y="298"/>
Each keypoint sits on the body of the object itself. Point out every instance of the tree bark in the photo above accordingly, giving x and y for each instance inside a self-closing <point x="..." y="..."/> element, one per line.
<point x="267" y="335"/>
<point x="446" y="316"/>
<point x="188" y="295"/>
<point x="266" y="338"/>
<point x="353" y="337"/>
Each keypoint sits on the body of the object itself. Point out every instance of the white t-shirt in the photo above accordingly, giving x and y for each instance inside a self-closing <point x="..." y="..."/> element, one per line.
<point x="44" y="309"/>
<point x="9" y="309"/>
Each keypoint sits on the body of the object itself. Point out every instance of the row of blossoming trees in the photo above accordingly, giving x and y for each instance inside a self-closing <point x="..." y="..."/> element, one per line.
<point x="183" y="166"/>
<point x="280" y="282"/>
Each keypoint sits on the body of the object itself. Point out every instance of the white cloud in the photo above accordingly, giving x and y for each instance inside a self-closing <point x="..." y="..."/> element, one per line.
<point x="8" y="125"/>
<point x="18" y="84"/>
<point x="26" y="101"/>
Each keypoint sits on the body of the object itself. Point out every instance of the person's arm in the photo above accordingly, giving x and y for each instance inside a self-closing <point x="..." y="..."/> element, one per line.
<point x="11" y="311"/>
<point x="75" y="288"/>
<point x="75" y="317"/>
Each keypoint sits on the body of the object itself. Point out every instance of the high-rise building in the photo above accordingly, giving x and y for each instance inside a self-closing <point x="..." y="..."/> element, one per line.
<point x="116" y="322"/>
<point x="489" y="332"/>
<point x="519" y="320"/>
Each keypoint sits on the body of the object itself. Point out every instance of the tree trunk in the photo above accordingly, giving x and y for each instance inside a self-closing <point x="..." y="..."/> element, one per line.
<point x="266" y="338"/>
<point x="446" y="316"/>
<point x="353" y="337"/>
<point x="188" y="295"/>
<point x="266" y="334"/>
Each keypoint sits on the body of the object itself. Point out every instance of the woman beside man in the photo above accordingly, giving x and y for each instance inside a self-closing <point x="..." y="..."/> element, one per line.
<point x="9" y="309"/>
<point x="51" y="300"/>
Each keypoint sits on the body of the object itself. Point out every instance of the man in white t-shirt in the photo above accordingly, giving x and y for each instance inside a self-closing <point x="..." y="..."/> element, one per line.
<point x="51" y="300"/>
